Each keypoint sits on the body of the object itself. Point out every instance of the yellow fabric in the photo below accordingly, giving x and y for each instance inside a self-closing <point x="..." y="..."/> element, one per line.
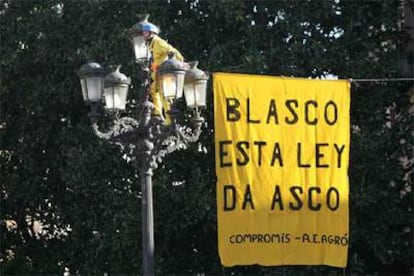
<point x="160" y="49"/>
<point x="282" y="154"/>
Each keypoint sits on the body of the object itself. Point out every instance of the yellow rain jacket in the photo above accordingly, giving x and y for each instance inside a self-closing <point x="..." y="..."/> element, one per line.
<point x="159" y="49"/>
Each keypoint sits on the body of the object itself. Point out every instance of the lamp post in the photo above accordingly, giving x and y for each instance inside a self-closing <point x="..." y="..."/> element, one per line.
<point x="146" y="137"/>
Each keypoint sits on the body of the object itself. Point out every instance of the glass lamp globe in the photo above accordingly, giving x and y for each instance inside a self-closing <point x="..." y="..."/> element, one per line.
<point x="195" y="87"/>
<point x="91" y="78"/>
<point x="116" y="87"/>
<point x="172" y="72"/>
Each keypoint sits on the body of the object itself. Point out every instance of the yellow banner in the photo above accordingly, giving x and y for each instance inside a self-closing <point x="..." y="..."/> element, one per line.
<point x="282" y="154"/>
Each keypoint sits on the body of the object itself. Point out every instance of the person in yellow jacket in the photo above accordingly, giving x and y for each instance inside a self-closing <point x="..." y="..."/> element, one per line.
<point x="159" y="49"/>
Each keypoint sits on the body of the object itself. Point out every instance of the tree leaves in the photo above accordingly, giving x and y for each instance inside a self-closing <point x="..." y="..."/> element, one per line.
<point x="54" y="169"/>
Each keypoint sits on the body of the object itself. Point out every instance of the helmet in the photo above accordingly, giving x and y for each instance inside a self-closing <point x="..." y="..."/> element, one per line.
<point x="149" y="27"/>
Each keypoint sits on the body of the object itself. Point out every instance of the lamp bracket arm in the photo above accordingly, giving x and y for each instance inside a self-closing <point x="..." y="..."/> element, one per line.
<point x="119" y="131"/>
<point x="175" y="138"/>
<point x="189" y="135"/>
<point x="102" y="135"/>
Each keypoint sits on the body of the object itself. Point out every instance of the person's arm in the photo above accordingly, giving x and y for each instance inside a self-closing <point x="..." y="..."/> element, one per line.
<point x="162" y="48"/>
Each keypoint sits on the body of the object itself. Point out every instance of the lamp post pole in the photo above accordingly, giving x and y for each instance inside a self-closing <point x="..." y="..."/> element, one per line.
<point x="146" y="139"/>
<point x="147" y="222"/>
<point x="147" y="214"/>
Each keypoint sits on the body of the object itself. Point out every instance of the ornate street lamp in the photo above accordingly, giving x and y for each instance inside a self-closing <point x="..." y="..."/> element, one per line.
<point x="195" y="87"/>
<point x="116" y="87"/>
<point x="172" y="74"/>
<point x="92" y="79"/>
<point x="139" y="44"/>
<point x="147" y="138"/>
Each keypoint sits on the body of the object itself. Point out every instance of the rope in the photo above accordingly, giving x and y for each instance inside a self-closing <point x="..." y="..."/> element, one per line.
<point x="381" y="80"/>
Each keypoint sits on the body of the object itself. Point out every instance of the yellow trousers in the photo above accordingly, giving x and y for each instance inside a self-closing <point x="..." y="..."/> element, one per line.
<point x="161" y="105"/>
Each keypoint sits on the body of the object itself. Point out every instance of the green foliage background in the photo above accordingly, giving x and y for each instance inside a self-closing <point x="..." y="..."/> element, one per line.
<point x="54" y="170"/>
